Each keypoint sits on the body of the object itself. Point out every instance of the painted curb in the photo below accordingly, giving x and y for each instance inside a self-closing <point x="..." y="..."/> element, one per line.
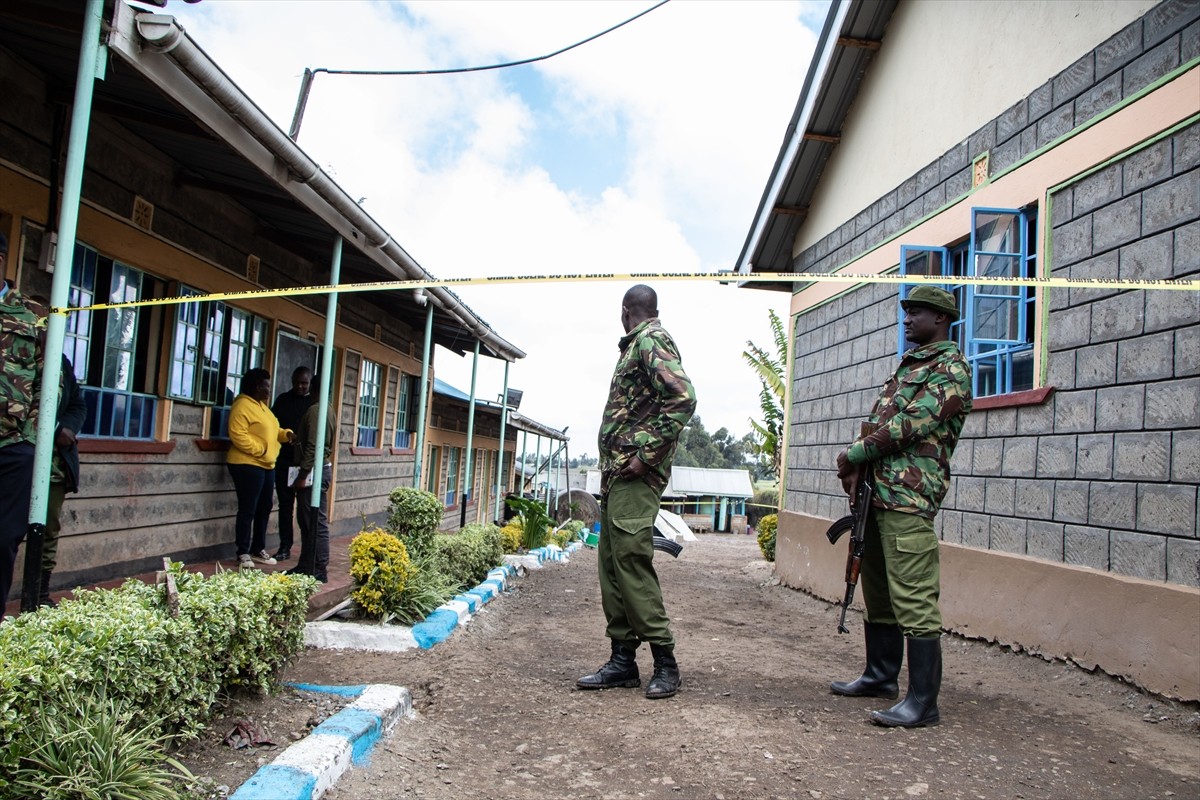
<point x="310" y="767"/>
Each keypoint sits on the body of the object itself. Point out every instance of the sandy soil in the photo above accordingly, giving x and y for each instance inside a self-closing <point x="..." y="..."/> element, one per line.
<point x="498" y="715"/>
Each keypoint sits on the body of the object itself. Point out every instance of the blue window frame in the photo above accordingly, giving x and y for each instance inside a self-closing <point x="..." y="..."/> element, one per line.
<point x="996" y="323"/>
<point x="111" y="351"/>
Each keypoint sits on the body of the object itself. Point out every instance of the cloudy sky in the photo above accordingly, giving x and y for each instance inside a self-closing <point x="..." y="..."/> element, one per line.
<point x="645" y="150"/>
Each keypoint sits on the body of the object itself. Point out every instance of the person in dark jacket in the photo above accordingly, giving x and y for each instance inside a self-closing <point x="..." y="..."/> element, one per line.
<point x="289" y="408"/>
<point x="64" y="470"/>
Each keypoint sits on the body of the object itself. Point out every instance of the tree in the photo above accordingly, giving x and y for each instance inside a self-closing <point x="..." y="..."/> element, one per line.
<point x="770" y="370"/>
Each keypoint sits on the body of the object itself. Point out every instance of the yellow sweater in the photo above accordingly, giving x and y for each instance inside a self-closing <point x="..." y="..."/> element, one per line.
<point x="254" y="433"/>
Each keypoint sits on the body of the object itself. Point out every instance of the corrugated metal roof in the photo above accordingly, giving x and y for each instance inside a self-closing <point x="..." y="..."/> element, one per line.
<point x="692" y="481"/>
<point x="829" y="90"/>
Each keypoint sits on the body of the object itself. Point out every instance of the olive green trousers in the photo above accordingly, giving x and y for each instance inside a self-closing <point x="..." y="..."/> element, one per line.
<point x="629" y="590"/>
<point x="901" y="573"/>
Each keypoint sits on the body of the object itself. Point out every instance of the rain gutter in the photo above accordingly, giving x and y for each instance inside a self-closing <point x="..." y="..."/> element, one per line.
<point x="146" y="41"/>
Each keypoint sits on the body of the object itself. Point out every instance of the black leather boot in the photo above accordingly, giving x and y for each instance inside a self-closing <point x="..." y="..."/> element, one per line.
<point x="885" y="653"/>
<point x="620" y="670"/>
<point x="44" y="590"/>
<point x="919" y="706"/>
<point x="666" y="680"/>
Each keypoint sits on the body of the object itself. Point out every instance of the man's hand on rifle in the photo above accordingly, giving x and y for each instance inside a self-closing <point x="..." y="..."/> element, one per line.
<point x="848" y="473"/>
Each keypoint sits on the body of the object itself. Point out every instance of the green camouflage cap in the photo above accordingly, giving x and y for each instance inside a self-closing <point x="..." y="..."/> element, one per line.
<point x="931" y="297"/>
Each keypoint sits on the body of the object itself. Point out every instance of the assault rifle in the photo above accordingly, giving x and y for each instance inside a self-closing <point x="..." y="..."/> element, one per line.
<point x="856" y="523"/>
<point x="666" y="544"/>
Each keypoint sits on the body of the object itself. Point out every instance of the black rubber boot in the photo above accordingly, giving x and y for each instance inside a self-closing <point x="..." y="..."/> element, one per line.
<point x="919" y="706"/>
<point x="666" y="680"/>
<point x="620" y="670"/>
<point x="44" y="590"/>
<point x="885" y="653"/>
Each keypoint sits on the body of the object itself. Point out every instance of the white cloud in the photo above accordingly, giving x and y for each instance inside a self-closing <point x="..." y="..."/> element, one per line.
<point x="699" y="93"/>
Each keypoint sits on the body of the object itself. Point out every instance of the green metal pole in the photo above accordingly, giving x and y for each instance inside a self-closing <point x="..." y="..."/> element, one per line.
<point x="466" y="493"/>
<point x="89" y="69"/>
<point x="500" y="455"/>
<point x="326" y="387"/>
<point x="424" y="395"/>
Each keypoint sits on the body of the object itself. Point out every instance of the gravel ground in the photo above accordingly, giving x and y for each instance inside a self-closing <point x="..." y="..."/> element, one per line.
<point x="498" y="715"/>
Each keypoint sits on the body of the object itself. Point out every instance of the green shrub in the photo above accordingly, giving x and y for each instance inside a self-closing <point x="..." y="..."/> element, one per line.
<point x="235" y="629"/>
<point x="392" y="586"/>
<point x="574" y="527"/>
<point x="88" y="749"/>
<point x="465" y="557"/>
<point x="512" y="534"/>
<point x="381" y="569"/>
<point x="414" y="515"/>
<point x="535" y="523"/>
<point x="561" y="537"/>
<point x="766" y="535"/>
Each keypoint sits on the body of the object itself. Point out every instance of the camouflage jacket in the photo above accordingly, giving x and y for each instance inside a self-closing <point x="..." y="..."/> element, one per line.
<point x="919" y="415"/>
<point x="22" y="348"/>
<point x="650" y="401"/>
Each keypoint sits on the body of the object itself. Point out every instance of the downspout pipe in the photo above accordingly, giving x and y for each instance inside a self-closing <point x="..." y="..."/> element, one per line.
<point x="88" y="70"/>
<point x="162" y="34"/>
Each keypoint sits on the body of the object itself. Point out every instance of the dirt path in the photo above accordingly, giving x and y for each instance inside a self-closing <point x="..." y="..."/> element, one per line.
<point x="498" y="717"/>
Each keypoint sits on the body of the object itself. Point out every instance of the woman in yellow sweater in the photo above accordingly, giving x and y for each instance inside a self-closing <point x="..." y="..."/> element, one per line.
<point x="254" y="437"/>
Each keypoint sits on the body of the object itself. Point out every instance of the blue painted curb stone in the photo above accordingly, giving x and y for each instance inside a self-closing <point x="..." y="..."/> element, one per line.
<point x="360" y="728"/>
<point x="310" y="767"/>
<point x="437" y="627"/>
<point x="340" y="691"/>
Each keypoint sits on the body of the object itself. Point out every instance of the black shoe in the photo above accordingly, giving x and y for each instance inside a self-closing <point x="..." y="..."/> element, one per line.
<point x="885" y="653"/>
<point x="282" y="555"/>
<point x="919" y="706"/>
<point x="666" y="679"/>
<point x="620" y="670"/>
<point x="321" y="577"/>
<point x="44" y="593"/>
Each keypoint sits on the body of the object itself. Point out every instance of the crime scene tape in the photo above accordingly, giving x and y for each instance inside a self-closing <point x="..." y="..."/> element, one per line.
<point x="722" y="277"/>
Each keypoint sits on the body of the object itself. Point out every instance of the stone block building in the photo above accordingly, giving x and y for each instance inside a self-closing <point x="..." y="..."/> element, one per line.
<point x="1031" y="139"/>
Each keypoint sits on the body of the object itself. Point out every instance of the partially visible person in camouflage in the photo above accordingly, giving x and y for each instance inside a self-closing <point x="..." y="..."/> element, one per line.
<point x="650" y="401"/>
<point x="914" y="427"/>
<point x="22" y="346"/>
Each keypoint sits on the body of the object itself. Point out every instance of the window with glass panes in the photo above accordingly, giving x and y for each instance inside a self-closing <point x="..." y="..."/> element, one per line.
<point x="111" y="350"/>
<point x="246" y="349"/>
<point x="995" y="327"/>
<point x="370" y="379"/>
<point x="406" y="417"/>
<point x="431" y="475"/>
<point x="452" y="461"/>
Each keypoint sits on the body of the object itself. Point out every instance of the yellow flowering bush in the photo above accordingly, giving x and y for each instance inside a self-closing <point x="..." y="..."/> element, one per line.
<point x="382" y="570"/>
<point x="766" y="535"/>
<point x="511" y="535"/>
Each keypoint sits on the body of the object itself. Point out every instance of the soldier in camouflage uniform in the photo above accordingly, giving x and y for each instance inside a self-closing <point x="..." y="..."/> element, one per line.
<point x="650" y="401"/>
<point x="916" y="422"/>
<point x="22" y="347"/>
